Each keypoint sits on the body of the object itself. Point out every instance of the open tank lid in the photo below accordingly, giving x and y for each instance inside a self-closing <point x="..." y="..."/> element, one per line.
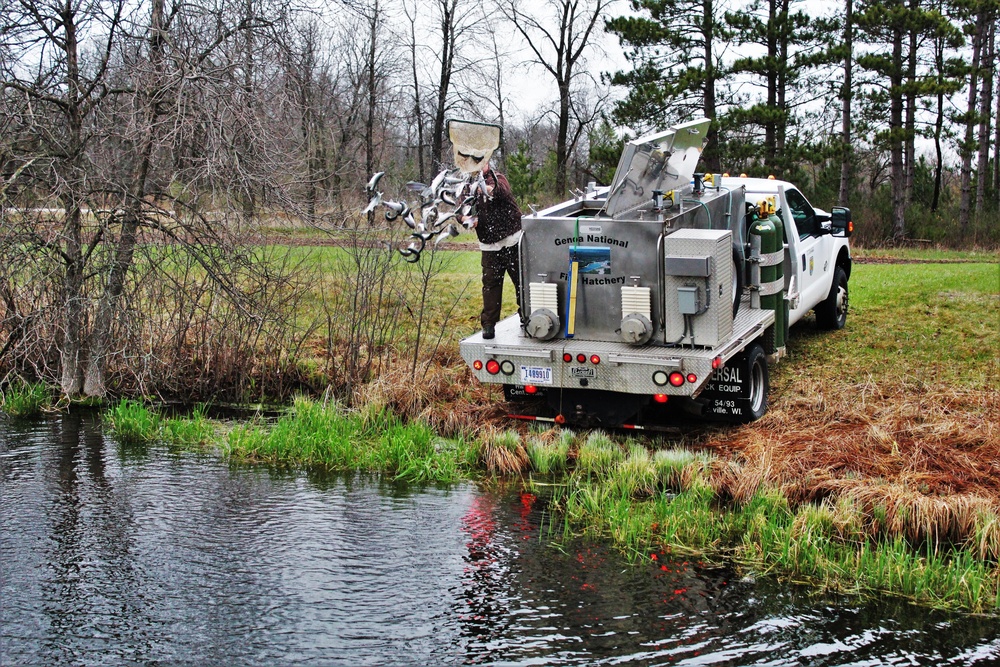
<point x="662" y="161"/>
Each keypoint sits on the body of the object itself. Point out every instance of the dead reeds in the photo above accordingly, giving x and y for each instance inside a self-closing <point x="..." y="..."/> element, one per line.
<point x="919" y="461"/>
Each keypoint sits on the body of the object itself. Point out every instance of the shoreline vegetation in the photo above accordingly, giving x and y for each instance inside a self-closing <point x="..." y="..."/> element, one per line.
<point x="875" y="470"/>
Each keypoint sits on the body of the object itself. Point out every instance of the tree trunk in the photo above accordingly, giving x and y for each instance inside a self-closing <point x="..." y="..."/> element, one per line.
<point x="896" y="142"/>
<point x="444" y="81"/>
<point x="985" y="115"/>
<point x="563" y="132"/>
<point x="712" y="155"/>
<point x="100" y="339"/>
<point x="996" y="148"/>
<point x="781" y="129"/>
<point x="845" y="116"/>
<point x="372" y="100"/>
<point x="939" y="47"/>
<point x="965" y="200"/>
<point x="418" y="115"/>
<point x="910" y="131"/>
<point x="770" y="127"/>
<point x="72" y="339"/>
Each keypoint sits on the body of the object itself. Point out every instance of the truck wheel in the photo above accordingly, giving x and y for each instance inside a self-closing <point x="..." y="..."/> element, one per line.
<point x="831" y="313"/>
<point x="756" y="364"/>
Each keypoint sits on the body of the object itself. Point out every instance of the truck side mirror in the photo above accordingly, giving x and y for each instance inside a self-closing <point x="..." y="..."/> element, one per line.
<point x="841" y="222"/>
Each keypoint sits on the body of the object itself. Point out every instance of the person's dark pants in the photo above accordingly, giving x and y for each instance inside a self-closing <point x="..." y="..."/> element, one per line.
<point x="495" y="264"/>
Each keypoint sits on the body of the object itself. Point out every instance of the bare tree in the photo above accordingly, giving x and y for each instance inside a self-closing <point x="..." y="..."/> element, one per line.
<point x="558" y="43"/>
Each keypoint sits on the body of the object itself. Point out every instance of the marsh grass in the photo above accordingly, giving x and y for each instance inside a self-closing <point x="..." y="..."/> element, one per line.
<point x="133" y="423"/>
<point x="549" y="454"/>
<point x="825" y="544"/>
<point x="598" y="454"/>
<point x="503" y="453"/>
<point x="676" y="468"/>
<point x="22" y="399"/>
<point x="330" y="437"/>
<point x="193" y="431"/>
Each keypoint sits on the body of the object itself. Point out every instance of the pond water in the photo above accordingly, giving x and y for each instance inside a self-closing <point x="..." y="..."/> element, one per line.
<point x="114" y="555"/>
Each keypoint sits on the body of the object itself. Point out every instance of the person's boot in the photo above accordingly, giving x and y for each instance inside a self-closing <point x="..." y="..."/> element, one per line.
<point x="489" y="331"/>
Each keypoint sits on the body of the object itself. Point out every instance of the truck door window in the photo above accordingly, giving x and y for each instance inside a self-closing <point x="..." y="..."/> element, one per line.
<point x="802" y="213"/>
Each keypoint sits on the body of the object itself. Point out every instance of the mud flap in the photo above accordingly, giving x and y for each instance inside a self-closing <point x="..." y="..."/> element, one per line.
<point x="737" y="392"/>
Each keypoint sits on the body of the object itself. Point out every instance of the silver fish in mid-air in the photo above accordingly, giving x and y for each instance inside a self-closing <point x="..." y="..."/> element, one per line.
<point x="408" y="219"/>
<point x="482" y="187"/>
<point x="429" y="215"/>
<point x="394" y="209"/>
<point x="373" y="204"/>
<point x="373" y="183"/>
<point x="438" y="181"/>
<point x="449" y="231"/>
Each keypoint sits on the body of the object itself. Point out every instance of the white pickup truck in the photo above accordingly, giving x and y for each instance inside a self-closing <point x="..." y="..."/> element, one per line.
<point x="667" y="286"/>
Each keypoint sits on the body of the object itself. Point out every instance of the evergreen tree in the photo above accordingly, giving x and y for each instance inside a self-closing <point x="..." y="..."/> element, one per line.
<point x="791" y="43"/>
<point x="676" y="71"/>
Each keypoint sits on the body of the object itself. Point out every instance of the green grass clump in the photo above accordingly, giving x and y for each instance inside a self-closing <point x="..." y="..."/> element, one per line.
<point x="193" y="431"/>
<point x="133" y="423"/>
<point x="25" y="399"/>
<point x="635" y="475"/>
<point x="548" y="457"/>
<point x="598" y="454"/>
<point x="675" y="466"/>
<point x="313" y="434"/>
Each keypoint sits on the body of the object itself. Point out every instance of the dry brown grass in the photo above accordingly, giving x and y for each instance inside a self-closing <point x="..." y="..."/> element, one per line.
<point x="917" y="460"/>
<point x="445" y="397"/>
<point x="503" y="452"/>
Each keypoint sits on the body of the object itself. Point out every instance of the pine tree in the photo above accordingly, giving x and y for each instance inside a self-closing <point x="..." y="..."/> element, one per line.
<point x="676" y="69"/>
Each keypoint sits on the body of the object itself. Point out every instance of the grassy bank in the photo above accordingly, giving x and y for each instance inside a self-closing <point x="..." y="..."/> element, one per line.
<point x="674" y="502"/>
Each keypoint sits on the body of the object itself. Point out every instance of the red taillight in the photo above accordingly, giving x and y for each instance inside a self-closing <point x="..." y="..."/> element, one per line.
<point x="716" y="363"/>
<point x="692" y="378"/>
<point x="676" y="378"/>
<point x="581" y="358"/>
<point x="478" y="365"/>
<point x="530" y="389"/>
<point x="567" y="357"/>
<point x="492" y="366"/>
<point x="594" y="359"/>
<point x="660" y="398"/>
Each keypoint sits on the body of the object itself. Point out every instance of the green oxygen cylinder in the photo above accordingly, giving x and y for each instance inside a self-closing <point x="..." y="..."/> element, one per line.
<point x="771" y="297"/>
<point x="781" y="308"/>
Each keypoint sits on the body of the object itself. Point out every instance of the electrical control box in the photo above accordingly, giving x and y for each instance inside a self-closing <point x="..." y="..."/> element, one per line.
<point x="698" y="287"/>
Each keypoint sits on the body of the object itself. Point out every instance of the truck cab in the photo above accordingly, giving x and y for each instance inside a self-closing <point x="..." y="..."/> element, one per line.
<point x="815" y="248"/>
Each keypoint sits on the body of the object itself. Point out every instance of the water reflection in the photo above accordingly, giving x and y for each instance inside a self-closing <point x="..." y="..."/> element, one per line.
<point x="137" y="555"/>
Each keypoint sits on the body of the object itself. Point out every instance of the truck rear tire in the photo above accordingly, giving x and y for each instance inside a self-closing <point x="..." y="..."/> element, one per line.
<point x="831" y="313"/>
<point x="760" y="385"/>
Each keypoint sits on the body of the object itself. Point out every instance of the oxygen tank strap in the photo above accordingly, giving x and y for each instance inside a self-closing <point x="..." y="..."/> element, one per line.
<point x="772" y="287"/>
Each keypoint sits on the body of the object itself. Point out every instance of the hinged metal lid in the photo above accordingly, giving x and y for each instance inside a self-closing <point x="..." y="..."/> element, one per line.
<point x="659" y="161"/>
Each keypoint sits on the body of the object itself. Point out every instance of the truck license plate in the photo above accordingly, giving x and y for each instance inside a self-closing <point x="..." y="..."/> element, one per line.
<point x="536" y="374"/>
